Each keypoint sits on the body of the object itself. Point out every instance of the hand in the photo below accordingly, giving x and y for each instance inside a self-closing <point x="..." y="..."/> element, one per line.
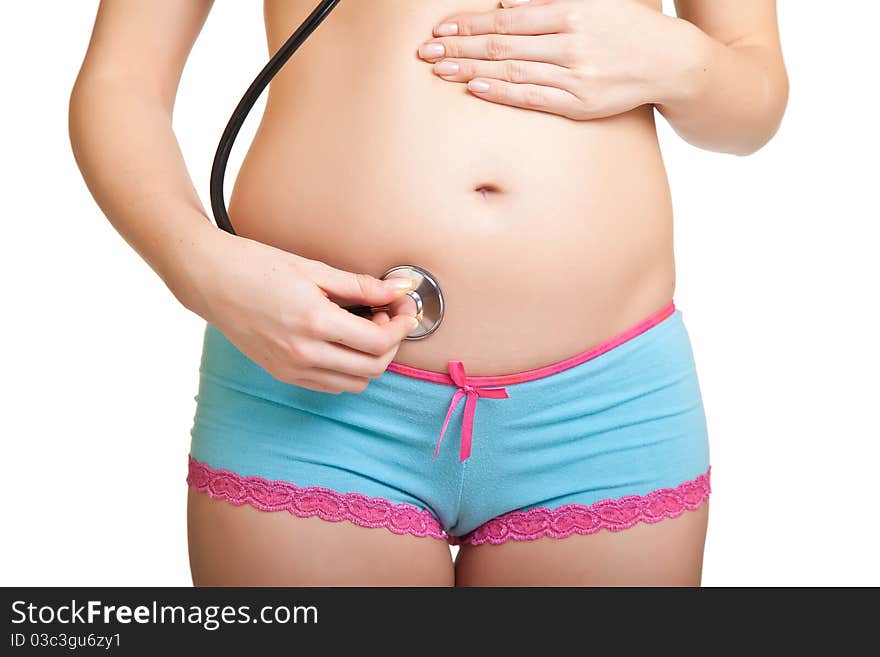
<point x="582" y="59"/>
<point x="275" y="307"/>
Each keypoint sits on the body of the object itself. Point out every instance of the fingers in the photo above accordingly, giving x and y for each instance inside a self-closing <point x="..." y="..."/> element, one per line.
<point x="549" y="48"/>
<point x="328" y="366"/>
<point x="381" y="317"/>
<point x="339" y="369"/>
<point x="336" y="357"/>
<point x="521" y="55"/>
<point x="327" y="321"/>
<point x="331" y="323"/>
<point x="511" y="70"/>
<point x="529" y="18"/>
<point x="331" y="357"/>
<point x="528" y="96"/>
<point x="358" y="287"/>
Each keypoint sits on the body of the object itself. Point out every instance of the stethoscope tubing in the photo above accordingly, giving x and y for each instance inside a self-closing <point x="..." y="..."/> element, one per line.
<point x="233" y="127"/>
<point x="244" y="107"/>
<point x="246" y="104"/>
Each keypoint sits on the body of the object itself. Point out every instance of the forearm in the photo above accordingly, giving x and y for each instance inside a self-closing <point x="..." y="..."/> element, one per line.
<point x="727" y="98"/>
<point x="126" y="149"/>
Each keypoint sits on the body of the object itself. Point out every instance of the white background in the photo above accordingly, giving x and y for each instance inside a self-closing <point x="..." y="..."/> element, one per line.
<point x="777" y="279"/>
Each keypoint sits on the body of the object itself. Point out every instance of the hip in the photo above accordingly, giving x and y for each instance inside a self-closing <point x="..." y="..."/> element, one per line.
<point x="621" y="418"/>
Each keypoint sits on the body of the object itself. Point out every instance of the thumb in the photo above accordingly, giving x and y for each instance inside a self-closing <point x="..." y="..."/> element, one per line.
<point x="355" y="286"/>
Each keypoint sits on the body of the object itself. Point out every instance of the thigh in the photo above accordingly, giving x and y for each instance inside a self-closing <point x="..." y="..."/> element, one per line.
<point x="666" y="553"/>
<point x="243" y="546"/>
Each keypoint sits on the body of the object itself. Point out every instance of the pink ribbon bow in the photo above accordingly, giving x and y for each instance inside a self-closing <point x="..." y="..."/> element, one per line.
<point x="456" y="371"/>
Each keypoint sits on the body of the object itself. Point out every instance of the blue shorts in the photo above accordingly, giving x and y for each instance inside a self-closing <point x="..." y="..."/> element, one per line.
<point x="610" y="437"/>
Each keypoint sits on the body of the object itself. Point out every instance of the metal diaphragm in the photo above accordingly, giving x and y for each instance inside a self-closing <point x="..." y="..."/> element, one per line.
<point x="427" y="296"/>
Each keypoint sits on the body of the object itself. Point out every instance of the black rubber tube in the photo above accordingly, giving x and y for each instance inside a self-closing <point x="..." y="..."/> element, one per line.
<point x="221" y="159"/>
<point x="246" y="104"/>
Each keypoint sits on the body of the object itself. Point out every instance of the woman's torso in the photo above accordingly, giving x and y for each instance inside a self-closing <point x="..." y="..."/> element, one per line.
<point x="365" y="159"/>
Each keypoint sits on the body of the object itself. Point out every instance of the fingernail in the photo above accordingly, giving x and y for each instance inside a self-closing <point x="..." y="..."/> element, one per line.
<point x="431" y="50"/>
<point x="400" y="283"/>
<point x="446" y="29"/>
<point x="415" y="322"/>
<point x="478" y="85"/>
<point x="446" y="68"/>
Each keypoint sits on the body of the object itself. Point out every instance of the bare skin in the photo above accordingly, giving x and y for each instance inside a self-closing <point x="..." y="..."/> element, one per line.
<point x="242" y="546"/>
<point x="667" y="553"/>
<point x="548" y="206"/>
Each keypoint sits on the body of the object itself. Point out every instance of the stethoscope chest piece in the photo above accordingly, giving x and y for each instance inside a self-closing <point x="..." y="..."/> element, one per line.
<point x="427" y="296"/>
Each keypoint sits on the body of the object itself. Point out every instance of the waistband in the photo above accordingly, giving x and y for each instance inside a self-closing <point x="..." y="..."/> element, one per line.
<point x="471" y="388"/>
<point x="530" y="375"/>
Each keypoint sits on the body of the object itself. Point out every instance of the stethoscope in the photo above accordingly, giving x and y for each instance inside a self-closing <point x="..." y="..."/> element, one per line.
<point x="426" y="294"/>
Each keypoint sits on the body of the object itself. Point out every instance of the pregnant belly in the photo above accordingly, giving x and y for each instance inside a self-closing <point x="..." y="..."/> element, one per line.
<point x="547" y="235"/>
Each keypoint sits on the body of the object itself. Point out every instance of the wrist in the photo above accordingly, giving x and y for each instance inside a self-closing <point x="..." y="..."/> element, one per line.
<point x="191" y="264"/>
<point x="683" y="63"/>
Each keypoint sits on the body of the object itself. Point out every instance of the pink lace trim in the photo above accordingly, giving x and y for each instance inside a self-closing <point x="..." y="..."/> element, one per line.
<point x="312" y="501"/>
<point x="327" y="504"/>
<point x="611" y="514"/>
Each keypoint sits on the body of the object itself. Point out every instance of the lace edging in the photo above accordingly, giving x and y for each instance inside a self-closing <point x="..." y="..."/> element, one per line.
<point x="311" y="501"/>
<point x="612" y="514"/>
